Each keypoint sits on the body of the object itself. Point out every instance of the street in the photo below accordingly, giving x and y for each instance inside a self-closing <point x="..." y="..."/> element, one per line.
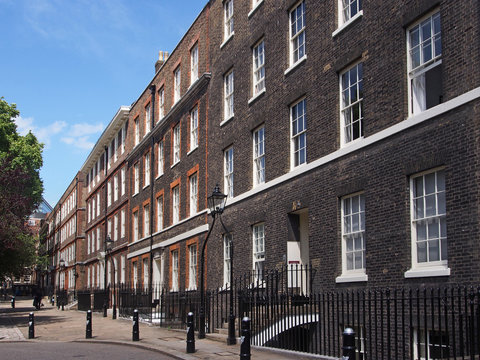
<point x="76" y="350"/>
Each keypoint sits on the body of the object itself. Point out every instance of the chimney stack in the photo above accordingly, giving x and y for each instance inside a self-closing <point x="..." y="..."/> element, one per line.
<point x="162" y="57"/>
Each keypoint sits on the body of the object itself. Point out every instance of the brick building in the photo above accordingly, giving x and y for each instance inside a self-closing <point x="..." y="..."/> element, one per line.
<point x="106" y="205"/>
<point x="168" y="166"/>
<point x="352" y="142"/>
<point x="62" y="238"/>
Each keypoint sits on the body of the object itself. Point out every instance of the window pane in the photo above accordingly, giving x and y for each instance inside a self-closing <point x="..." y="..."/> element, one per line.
<point x="421" y="251"/>
<point x="433" y="250"/>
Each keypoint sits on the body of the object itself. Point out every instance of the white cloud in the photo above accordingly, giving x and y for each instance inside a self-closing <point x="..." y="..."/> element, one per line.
<point x="85" y="129"/>
<point x="80" y="142"/>
<point x="43" y="134"/>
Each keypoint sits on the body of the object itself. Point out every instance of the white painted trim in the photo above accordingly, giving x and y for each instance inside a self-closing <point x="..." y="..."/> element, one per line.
<point x="227" y="40"/>
<point x="362" y="143"/>
<point x="227" y="120"/>
<point x="250" y="13"/>
<point x="347" y="24"/>
<point x="254" y="97"/>
<point x="183" y="236"/>
<point x="299" y="61"/>
<point x="427" y="272"/>
<point x="346" y="278"/>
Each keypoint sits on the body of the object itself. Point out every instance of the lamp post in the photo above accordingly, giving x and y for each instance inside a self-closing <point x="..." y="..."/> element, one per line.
<point x="107" y="250"/>
<point x="231" y="340"/>
<point x="216" y="204"/>
<point x="62" y="283"/>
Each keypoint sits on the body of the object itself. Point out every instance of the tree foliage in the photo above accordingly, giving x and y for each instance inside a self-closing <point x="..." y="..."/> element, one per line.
<point x="20" y="192"/>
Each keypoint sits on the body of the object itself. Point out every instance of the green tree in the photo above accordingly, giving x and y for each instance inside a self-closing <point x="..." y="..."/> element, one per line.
<point x="20" y="192"/>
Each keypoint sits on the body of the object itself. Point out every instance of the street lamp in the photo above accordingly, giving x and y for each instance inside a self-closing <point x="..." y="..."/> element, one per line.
<point x="216" y="204"/>
<point x="61" y="263"/>
<point x="107" y="250"/>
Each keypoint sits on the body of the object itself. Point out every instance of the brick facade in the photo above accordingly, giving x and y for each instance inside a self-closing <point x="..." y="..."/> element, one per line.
<point x="305" y="201"/>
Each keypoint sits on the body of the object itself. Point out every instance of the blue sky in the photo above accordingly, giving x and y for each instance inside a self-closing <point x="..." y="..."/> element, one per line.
<point x="70" y="64"/>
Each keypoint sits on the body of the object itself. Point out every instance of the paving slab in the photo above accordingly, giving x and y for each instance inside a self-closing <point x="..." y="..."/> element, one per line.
<point x="52" y="324"/>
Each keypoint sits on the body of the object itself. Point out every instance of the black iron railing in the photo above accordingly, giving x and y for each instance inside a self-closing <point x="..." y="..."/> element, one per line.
<point x="286" y="313"/>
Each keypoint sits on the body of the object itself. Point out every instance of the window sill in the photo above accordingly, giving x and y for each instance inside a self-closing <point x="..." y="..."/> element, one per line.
<point x="227" y="40"/>
<point x="195" y="148"/>
<point x="430" y="271"/>
<point x="257" y="5"/>
<point x="256" y="96"/>
<point x="135" y="194"/>
<point x="146" y="186"/>
<point x="171" y="167"/>
<point x="300" y="61"/>
<point x="158" y="176"/>
<point x="348" y="23"/>
<point x="347" y="278"/>
<point x="227" y="120"/>
<point x="350" y="143"/>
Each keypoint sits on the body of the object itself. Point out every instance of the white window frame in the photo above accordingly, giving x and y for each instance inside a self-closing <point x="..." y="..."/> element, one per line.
<point x="176" y="204"/>
<point x="419" y="341"/>
<point x="258" y="68"/>
<point x="115" y="188"/>
<point x="137" y="130"/>
<point x="146" y="220"/>
<point x="135" y="226"/>
<point x="122" y="174"/>
<point x="194" y="64"/>
<point x="417" y="70"/>
<point x="258" y="235"/>
<point x="98" y="238"/>
<point x="193" y="186"/>
<point x="122" y="269"/>
<point x="297" y="33"/>
<point x="430" y="222"/>
<point x="177" y="81"/>
<point x="122" y="223"/>
<point x="298" y="133"/>
<point x="175" y="270"/>
<point x="146" y="273"/>
<point x="353" y="231"/>
<point x="228" y="172"/>
<point x="161" y="158"/>
<point x="228" y="29"/>
<point x="176" y="144"/>
<point x="228" y="90"/>
<point x="147" y="119"/>
<point x="348" y="11"/>
<point x="109" y="193"/>
<point x="135" y="274"/>
<point x="146" y="162"/>
<point x="136" y="174"/>
<point x="192" y="267"/>
<point x="194" y="128"/>
<point x="115" y="227"/>
<point x="161" y="103"/>
<point x="259" y="156"/>
<point x="160" y="213"/>
<point x="227" y="259"/>
<point x="350" y="80"/>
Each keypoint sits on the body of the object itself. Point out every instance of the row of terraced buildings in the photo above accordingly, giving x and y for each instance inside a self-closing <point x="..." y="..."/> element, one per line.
<point x="345" y="134"/>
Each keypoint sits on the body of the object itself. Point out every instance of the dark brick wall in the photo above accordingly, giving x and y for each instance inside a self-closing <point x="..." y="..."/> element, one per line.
<point x="382" y="170"/>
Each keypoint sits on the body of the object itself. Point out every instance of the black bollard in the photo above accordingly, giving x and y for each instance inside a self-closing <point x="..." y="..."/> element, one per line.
<point x="12" y="302"/>
<point x="136" y="332"/>
<point x="245" y="339"/>
<point x="190" y="333"/>
<point x="31" y="326"/>
<point x="348" y="344"/>
<point x="88" y="333"/>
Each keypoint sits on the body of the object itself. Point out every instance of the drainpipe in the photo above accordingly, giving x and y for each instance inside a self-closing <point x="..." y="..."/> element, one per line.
<point x="105" y="302"/>
<point x="152" y="179"/>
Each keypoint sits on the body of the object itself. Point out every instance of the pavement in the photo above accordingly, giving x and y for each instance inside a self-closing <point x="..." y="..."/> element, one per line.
<point x="52" y="324"/>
